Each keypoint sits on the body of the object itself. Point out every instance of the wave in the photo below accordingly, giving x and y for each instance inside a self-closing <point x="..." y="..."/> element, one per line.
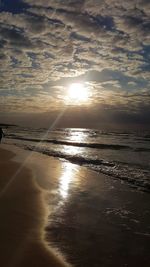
<point x="136" y="176"/>
<point x="68" y="143"/>
<point x="142" y="149"/>
<point x="79" y="144"/>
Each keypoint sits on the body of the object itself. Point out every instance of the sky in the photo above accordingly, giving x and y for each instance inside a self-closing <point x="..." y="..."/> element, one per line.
<point x="46" y="45"/>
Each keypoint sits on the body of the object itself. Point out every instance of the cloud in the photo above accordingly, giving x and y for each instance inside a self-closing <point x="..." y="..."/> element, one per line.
<point x="70" y="5"/>
<point x="49" y="44"/>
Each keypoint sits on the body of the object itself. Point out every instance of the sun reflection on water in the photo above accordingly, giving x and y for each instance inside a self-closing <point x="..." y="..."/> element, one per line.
<point x="78" y="136"/>
<point x="75" y="138"/>
<point x="69" y="178"/>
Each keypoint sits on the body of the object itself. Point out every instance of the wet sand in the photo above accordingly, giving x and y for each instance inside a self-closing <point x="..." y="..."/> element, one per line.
<point x="93" y="220"/>
<point x="23" y="217"/>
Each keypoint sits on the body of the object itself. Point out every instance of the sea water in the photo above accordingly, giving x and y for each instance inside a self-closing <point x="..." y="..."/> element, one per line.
<point x="121" y="155"/>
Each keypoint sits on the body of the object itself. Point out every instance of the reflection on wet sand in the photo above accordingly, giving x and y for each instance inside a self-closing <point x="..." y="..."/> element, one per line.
<point x="98" y="222"/>
<point x="24" y="215"/>
<point x="65" y="180"/>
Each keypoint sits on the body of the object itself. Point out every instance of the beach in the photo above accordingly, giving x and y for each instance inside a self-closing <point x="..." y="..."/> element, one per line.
<point x="89" y="218"/>
<point x="24" y="213"/>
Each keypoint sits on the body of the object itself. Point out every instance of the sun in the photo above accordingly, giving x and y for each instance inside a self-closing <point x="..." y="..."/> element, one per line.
<point x="77" y="92"/>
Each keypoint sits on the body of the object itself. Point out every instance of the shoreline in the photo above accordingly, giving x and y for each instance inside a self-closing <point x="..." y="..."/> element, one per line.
<point x="90" y="218"/>
<point x="135" y="175"/>
<point x="24" y="215"/>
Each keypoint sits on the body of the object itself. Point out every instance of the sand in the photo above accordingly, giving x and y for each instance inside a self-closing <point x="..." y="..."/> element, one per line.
<point x="93" y="220"/>
<point x="23" y="216"/>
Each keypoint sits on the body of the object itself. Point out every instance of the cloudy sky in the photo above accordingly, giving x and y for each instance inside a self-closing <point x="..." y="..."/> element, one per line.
<point x="46" y="45"/>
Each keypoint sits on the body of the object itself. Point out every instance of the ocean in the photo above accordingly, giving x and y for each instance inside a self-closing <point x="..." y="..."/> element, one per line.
<point x="121" y="155"/>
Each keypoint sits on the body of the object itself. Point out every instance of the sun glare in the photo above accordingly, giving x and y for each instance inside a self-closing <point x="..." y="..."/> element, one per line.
<point x="78" y="92"/>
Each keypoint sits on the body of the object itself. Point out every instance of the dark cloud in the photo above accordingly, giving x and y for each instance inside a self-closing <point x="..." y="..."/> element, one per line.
<point x="15" y="38"/>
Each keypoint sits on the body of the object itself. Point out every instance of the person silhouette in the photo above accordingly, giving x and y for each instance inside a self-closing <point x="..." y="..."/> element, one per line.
<point x="1" y="134"/>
